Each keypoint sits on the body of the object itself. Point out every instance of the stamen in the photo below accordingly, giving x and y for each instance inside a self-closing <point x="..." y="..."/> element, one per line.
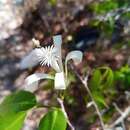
<point x="46" y="55"/>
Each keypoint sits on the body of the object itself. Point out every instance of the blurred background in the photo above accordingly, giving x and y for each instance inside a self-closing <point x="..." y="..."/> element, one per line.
<point x="99" y="28"/>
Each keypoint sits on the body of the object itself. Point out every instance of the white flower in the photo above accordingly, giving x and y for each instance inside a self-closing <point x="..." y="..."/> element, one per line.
<point x="49" y="56"/>
<point x="46" y="55"/>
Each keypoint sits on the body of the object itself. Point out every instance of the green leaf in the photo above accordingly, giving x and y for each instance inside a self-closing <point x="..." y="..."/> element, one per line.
<point x="119" y="76"/>
<point x="99" y="98"/>
<point x="104" y="6"/>
<point x="13" y="122"/>
<point x="109" y="79"/>
<point x="122" y="76"/>
<point x="100" y="84"/>
<point x="53" y="120"/>
<point x="96" y="80"/>
<point x="14" y="108"/>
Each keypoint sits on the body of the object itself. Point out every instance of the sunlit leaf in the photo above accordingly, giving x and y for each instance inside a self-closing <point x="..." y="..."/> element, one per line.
<point x="14" y="108"/>
<point x="53" y="120"/>
<point x="99" y="98"/>
<point x="96" y="80"/>
<point x="109" y="78"/>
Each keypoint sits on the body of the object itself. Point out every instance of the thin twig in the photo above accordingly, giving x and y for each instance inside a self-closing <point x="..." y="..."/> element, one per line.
<point x="95" y="105"/>
<point x="121" y="113"/>
<point x="63" y="109"/>
<point x="114" y="13"/>
<point x="84" y="82"/>
<point x="127" y="93"/>
<point x="118" y="109"/>
<point x="123" y="125"/>
<point x="122" y="117"/>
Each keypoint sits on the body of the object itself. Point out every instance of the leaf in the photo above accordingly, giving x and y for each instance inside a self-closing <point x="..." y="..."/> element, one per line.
<point x="122" y="76"/>
<point x="14" y="108"/>
<point x="13" y="122"/>
<point x="17" y="102"/>
<point x="119" y="76"/>
<point x="53" y="120"/>
<point x="104" y="6"/>
<point x="99" y="98"/>
<point x="95" y="86"/>
<point x="96" y="80"/>
<point x="109" y="78"/>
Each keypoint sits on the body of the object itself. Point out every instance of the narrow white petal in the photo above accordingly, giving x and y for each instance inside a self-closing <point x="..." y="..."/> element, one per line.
<point x="57" y="44"/>
<point x="31" y="82"/>
<point x="30" y="60"/>
<point x="32" y="87"/>
<point x="55" y="66"/>
<point x="76" y="56"/>
<point x="60" y="81"/>
<point x="57" y="40"/>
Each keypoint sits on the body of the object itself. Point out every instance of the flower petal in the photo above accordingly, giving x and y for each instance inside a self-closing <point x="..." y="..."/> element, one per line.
<point x="55" y="66"/>
<point x="57" y="43"/>
<point x="60" y="81"/>
<point x="32" y="87"/>
<point x="76" y="56"/>
<point x="31" y="82"/>
<point x="57" y="40"/>
<point x="30" y="60"/>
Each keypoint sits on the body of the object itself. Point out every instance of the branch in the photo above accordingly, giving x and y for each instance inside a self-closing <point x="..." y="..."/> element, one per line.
<point x="121" y="113"/>
<point x="122" y="117"/>
<point x="84" y="82"/>
<point x="63" y="109"/>
<point x="114" y="13"/>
